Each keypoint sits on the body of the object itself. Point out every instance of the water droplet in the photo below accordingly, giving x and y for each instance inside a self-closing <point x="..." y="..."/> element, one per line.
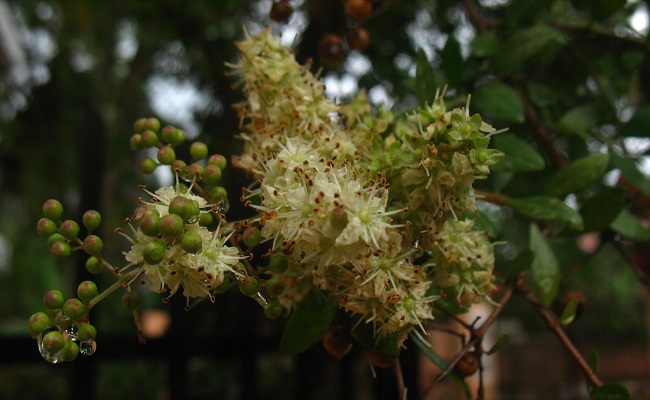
<point x="88" y="347"/>
<point x="47" y="356"/>
<point x="223" y="206"/>
<point x="72" y="331"/>
<point x="260" y="298"/>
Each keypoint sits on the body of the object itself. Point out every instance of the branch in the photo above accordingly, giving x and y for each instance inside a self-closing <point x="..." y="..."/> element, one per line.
<point x="481" y="23"/>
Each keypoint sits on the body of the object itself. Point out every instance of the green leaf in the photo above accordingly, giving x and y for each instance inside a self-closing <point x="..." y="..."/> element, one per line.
<point x="482" y="222"/>
<point x="602" y="209"/>
<point x="524" y="44"/>
<point x="452" y="62"/>
<point x="387" y="344"/>
<point x="485" y="45"/>
<point x="630" y="170"/>
<point x="519" y="155"/>
<point x="569" y="312"/>
<point x="579" y="120"/>
<point x="611" y="391"/>
<point x="593" y="359"/>
<point x="630" y="226"/>
<point x="639" y="124"/>
<point x="523" y="260"/>
<point x="308" y="323"/>
<point x="547" y="208"/>
<point x="545" y="270"/>
<point x="578" y="175"/>
<point x="499" y="101"/>
<point x="425" y="79"/>
<point x="503" y="340"/>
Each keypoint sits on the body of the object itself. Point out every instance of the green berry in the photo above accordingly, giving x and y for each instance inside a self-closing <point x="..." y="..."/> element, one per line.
<point x="249" y="285"/>
<point x="46" y="227"/>
<point x="86" y="332"/>
<point x="173" y="135"/>
<point x="171" y="225"/>
<point x="252" y="236"/>
<point x="198" y="151"/>
<point x="136" y="142"/>
<point x="52" y="209"/>
<point x="53" y="342"/>
<point x="206" y="219"/>
<point x="218" y="193"/>
<point x="211" y="174"/>
<point x="86" y="291"/>
<point x="38" y="322"/>
<point x="70" y="351"/>
<point x="91" y="220"/>
<point x="166" y="155"/>
<point x="274" y="286"/>
<point x="178" y="138"/>
<point x="139" y="125"/>
<point x="147" y="165"/>
<point x="150" y="224"/>
<point x="93" y="265"/>
<point x="218" y="160"/>
<point x="178" y="167"/>
<point x="69" y="229"/>
<point x="224" y="285"/>
<point x="53" y="299"/>
<point x="191" y="241"/>
<point x="60" y="249"/>
<point x="130" y="300"/>
<point x="278" y="263"/>
<point x="55" y="238"/>
<point x="152" y="124"/>
<point x="153" y="253"/>
<point x="149" y="139"/>
<point x="74" y="309"/>
<point x="273" y="310"/>
<point x="93" y="245"/>
<point x="195" y="170"/>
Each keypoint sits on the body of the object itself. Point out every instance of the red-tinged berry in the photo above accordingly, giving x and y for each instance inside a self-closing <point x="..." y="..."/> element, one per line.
<point x="38" y="322"/>
<point x="52" y="209"/>
<point x="249" y="285"/>
<point x="358" y="10"/>
<point x="330" y="50"/>
<point x="252" y="236"/>
<point x="130" y="300"/>
<point x="198" y="151"/>
<point x="86" y="332"/>
<point x="166" y="155"/>
<point x="46" y="227"/>
<point x="211" y="174"/>
<point x="69" y="229"/>
<point x="55" y="238"/>
<point x="380" y="359"/>
<point x="86" y="291"/>
<point x="53" y="299"/>
<point x="273" y="310"/>
<point x="218" y="160"/>
<point x="91" y="220"/>
<point x="150" y="224"/>
<point x="274" y="286"/>
<point x="195" y="170"/>
<point x="93" y="265"/>
<point x="467" y="365"/>
<point x="60" y="249"/>
<point x="152" y="124"/>
<point x="278" y="263"/>
<point x="140" y="125"/>
<point x="153" y="253"/>
<point x="206" y="219"/>
<point x="171" y="225"/>
<point x="93" y="245"/>
<point x="149" y="139"/>
<point x="173" y="135"/>
<point x="147" y="165"/>
<point x="74" y="309"/>
<point x="181" y="206"/>
<point x="136" y="142"/>
<point x="179" y="167"/>
<point x="338" y="341"/>
<point x="70" y="351"/>
<point x="281" y="11"/>
<point x="191" y="241"/>
<point x="358" y="39"/>
<point x="53" y="342"/>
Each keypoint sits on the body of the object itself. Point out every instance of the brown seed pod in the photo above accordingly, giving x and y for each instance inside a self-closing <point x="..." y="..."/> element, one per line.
<point x="281" y="11"/>
<point x="358" y="10"/>
<point x="337" y="341"/>
<point x="379" y="359"/>
<point x="330" y="50"/>
<point x="468" y="364"/>
<point x="358" y="39"/>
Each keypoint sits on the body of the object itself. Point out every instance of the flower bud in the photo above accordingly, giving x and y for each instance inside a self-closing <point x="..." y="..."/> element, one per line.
<point x="86" y="332"/>
<point x="46" y="227"/>
<point x="198" y="151"/>
<point x="278" y="263"/>
<point x="69" y="229"/>
<point x="60" y="249"/>
<point x="52" y="209"/>
<point x="86" y="291"/>
<point x="178" y="167"/>
<point x="93" y="265"/>
<point x="149" y="139"/>
<point x="171" y="225"/>
<point x="136" y="142"/>
<point x="173" y="135"/>
<point x="55" y="238"/>
<point x="150" y="224"/>
<point x="93" y="245"/>
<point x="252" y="236"/>
<point x="74" y="309"/>
<point x="206" y="219"/>
<point x="218" y="160"/>
<point x="152" y="124"/>
<point x="53" y="299"/>
<point x="195" y="170"/>
<point x="38" y="322"/>
<point x="70" y="351"/>
<point x="153" y="253"/>
<point x="166" y="155"/>
<point x="249" y="285"/>
<point x="273" y="310"/>
<point x="53" y="342"/>
<point x="211" y="174"/>
<point x="139" y="125"/>
<point x="218" y="193"/>
<point x="274" y="286"/>
<point x="147" y="165"/>
<point x="191" y="241"/>
<point x="91" y="220"/>
<point x="130" y="300"/>
<point x="184" y="207"/>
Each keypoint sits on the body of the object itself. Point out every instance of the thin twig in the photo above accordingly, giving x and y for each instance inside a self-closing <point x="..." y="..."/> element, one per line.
<point x="399" y="380"/>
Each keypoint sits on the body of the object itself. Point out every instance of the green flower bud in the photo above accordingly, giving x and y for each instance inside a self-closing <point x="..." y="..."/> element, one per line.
<point x="191" y="241"/>
<point x="70" y="351"/>
<point x="139" y="125"/>
<point x="91" y="220"/>
<point x="60" y="249"/>
<point x="86" y="332"/>
<point x="86" y="291"/>
<point x="224" y="285"/>
<point x="147" y="165"/>
<point x="53" y="299"/>
<point x="153" y="253"/>
<point x="136" y="142"/>
<point x="171" y="225"/>
<point x="53" y="342"/>
<point x="179" y="167"/>
<point x="46" y="227"/>
<point x="179" y="137"/>
<point x="278" y="263"/>
<point x="198" y="151"/>
<point x="211" y="174"/>
<point x="69" y="229"/>
<point x="206" y="219"/>
<point x="150" y="224"/>
<point x="93" y="245"/>
<point x="218" y="160"/>
<point x="273" y="310"/>
<point x="274" y="286"/>
<point x="149" y="139"/>
<point x="55" y="238"/>
<point x="52" y="209"/>
<point x="173" y="135"/>
<point x="252" y="236"/>
<point x="195" y="170"/>
<point x="38" y="322"/>
<point x="130" y="300"/>
<point x="93" y="265"/>
<point x="218" y="193"/>
<point x="166" y="155"/>
<point x="74" y="309"/>
<point x="249" y="285"/>
<point x="152" y="124"/>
